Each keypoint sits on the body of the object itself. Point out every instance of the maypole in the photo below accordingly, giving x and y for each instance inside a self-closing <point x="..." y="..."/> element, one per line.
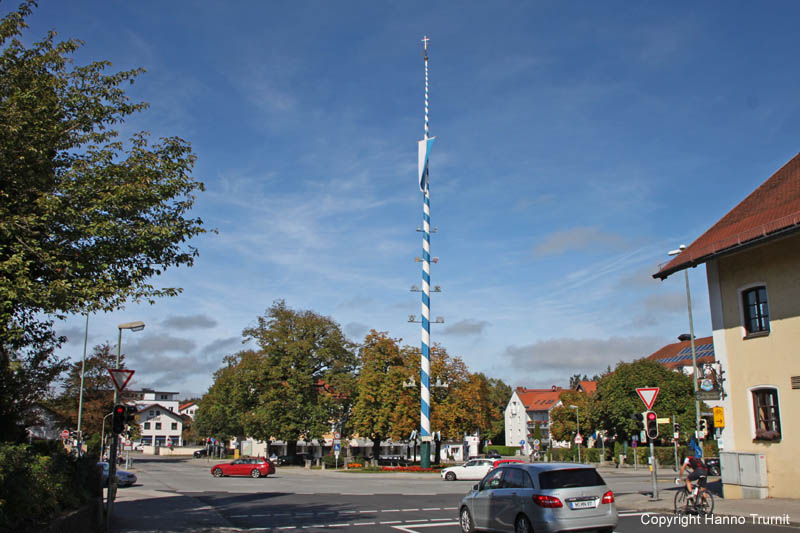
<point x="425" y="358"/>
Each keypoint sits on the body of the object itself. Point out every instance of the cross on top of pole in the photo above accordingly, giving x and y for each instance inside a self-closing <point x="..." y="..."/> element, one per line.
<point x="425" y="41"/>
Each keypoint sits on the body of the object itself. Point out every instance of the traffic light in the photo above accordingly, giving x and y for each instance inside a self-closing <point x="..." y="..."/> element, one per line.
<point x="118" y="419"/>
<point x="130" y="414"/>
<point x="703" y="427"/>
<point x="639" y="417"/>
<point x="652" y="424"/>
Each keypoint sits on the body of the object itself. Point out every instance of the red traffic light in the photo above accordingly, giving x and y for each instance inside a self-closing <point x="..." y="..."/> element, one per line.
<point x="651" y="416"/>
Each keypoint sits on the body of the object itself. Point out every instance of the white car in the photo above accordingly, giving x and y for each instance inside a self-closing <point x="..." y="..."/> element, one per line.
<point x="472" y="469"/>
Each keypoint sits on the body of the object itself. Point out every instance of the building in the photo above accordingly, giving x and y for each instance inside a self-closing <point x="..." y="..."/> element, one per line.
<point x="188" y="409"/>
<point x="160" y="422"/>
<point x="752" y="259"/>
<point x="527" y="408"/>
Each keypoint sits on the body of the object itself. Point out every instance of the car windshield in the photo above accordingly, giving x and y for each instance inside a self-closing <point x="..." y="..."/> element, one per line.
<point x="572" y="477"/>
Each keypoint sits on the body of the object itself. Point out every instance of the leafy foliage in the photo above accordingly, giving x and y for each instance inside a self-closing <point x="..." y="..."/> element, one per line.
<point x="616" y="400"/>
<point x="85" y="219"/>
<point x="52" y="480"/>
<point x="293" y="386"/>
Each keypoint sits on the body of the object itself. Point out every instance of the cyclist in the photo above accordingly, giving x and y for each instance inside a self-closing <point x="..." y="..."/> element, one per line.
<point x="699" y="473"/>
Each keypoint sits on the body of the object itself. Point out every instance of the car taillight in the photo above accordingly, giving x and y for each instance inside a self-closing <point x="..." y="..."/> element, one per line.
<point x="608" y="497"/>
<point x="546" y="501"/>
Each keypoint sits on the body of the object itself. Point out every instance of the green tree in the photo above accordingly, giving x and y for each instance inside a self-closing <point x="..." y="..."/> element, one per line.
<point x="615" y="400"/>
<point x="499" y="395"/>
<point x="98" y="390"/>
<point x="379" y="387"/>
<point x="564" y="420"/>
<point x="86" y="221"/>
<point x="219" y="412"/>
<point x="289" y="388"/>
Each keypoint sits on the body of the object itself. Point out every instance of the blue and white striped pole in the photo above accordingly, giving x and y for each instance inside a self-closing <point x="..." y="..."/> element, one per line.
<point x="425" y="359"/>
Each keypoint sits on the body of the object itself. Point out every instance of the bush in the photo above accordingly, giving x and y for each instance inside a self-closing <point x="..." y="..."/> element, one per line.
<point x="503" y="450"/>
<point x="35" y="488"/>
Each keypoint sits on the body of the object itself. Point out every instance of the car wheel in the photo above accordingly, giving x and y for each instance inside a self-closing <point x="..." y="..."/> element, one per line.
<point x="450" y="476"/>
<point x="467" y="525"/>
<point x="522" y="525"/>
<point x="217" y="472"/>
<point x="255" y="473"/>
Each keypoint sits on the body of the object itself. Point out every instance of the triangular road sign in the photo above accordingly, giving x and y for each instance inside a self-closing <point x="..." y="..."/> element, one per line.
<point x="648" y="396"/>
<point x="120" y="377"/>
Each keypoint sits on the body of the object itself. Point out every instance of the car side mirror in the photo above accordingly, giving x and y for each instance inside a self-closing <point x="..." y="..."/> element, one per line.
<point x="476" y="486"/>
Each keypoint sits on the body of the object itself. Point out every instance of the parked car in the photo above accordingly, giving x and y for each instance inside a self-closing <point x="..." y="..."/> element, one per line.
<point x="124" y="479"/>
<point x="202" y="452"/>
<point x="246" y="466"/>
<point x="297" y="459"/>
<point x="392" y="460"/>
<point x="713" y="467"/>
<point x="503" y="461"/>
<point x="493" y="454"/>
<point x="541" y="497"/>
<point x="472" y="469"/>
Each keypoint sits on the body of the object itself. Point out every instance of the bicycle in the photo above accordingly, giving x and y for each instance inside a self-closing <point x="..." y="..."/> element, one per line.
<point x="686" y="503"/>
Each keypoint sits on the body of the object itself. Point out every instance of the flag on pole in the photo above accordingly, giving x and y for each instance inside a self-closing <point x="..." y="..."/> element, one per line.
<point x="424" y="151"/>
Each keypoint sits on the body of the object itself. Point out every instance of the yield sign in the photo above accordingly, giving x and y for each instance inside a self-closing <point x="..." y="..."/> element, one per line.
<point x="120" y="377"/>
<point x="648" y="396"/>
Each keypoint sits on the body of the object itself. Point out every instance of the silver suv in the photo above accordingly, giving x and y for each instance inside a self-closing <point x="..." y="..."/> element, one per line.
<point x="525" y="497"/>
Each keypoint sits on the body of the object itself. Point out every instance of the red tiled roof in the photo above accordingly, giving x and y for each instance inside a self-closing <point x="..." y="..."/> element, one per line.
<point x="587" y="386"/>
<point x="539" y="399"/>
<point x="771" y="210"/>
<point x="183" y="406"/>
<point x="679" y="354"/>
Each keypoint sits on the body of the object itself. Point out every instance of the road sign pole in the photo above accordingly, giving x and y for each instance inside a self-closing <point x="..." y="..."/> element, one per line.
<point x="653" y="471"/>
<point x="675" y="441"/>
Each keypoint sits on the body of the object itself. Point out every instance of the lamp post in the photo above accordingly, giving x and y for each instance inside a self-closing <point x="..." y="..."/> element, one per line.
<point x="103" y="435"/>
<point x="80" y="395"/>
<point x="578" y="426"/>
<point x="680" y="249"/>
<point x="133" y="326"/>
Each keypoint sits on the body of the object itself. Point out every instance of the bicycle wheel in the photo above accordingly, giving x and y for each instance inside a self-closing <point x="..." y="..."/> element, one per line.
<point x="706" y="503"/>
<point x="680" y="501"/>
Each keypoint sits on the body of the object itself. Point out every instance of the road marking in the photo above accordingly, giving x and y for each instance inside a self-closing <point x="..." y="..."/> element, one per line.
<point x="410" y="509"/>
<point x="391" y="522"/>
<point x="449" y="508"/>
<point x="371" y="511"/>
<point x="417" y="520"/>
<point x="440" y="519"/>
<point x="239" y="515"/>
<point x="412" y="529"/>
<point x="642" y="513"/>
<point x="432" y="509"/>
<point x="348" y="512"/>
<point x="363" y="523"/>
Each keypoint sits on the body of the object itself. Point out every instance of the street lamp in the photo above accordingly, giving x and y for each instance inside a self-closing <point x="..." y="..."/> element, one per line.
<point x="133" y="326"/>
<point x="80" y="396"/>
<point x="578" y="426"/>
<point x="680" y="249"/>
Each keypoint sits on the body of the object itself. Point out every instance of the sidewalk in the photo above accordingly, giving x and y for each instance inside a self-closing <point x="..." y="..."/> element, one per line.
<point x="770" y="507"/>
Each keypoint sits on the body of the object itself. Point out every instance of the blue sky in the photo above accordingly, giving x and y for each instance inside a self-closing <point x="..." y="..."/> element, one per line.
<point x="577" y="143"/>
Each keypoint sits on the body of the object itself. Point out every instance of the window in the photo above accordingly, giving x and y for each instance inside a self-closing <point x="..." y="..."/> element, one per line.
<point x="516" y="478"/>
<point x="158" y="425"/>
<point x="147" y="425"/>
<point x="756" y="310"/>
<point x="767" y="414"/>
<point x="152" y="413"/>
<point x="174" y="425"/>
<point x="570" y="477"/>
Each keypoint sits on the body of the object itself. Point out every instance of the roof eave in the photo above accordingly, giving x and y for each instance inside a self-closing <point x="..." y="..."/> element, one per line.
<point x="785" y="232"/>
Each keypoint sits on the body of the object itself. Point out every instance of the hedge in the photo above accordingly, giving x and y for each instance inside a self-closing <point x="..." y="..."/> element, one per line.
<point x="39" y="483"/>
<point x="503" y="450"/>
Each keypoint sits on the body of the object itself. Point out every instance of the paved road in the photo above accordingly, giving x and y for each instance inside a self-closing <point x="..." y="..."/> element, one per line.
<point x="181" y="495"/>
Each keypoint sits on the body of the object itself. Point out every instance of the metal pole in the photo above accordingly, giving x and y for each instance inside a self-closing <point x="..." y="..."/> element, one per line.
<point x="675" y="441"/>
<point x="80" y="397"/>
<point x="694" y="356"/>
<point x="103" y="436"/>
<point x="653" y="473"/>
<point x="578" y="424"/>
<point x="119" y="353"/>
<point x="425" y="358"/>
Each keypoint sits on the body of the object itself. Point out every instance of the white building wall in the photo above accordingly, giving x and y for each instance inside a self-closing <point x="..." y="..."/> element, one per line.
<point x="516" y="419"/>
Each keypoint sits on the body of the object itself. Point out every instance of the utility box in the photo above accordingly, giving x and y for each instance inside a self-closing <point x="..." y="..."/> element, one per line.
<point x="745" y="472"/>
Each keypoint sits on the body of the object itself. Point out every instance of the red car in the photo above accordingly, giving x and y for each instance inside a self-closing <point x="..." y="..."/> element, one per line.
<point x="503" y="461"/>
<point x="246" y="466"/>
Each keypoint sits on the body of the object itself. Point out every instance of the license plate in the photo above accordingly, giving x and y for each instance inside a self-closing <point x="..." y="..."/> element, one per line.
<point x="587" y="504"/>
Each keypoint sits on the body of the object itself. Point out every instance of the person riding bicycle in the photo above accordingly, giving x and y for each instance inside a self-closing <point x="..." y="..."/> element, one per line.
<point x="699" y="472"/>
